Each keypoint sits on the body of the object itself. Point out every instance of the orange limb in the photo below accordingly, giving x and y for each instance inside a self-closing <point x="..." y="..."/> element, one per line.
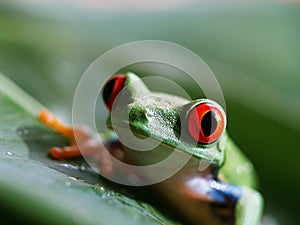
<point x="55" y="123"/>
<point x="65" y="152"/>
<point x="88" y="145"/>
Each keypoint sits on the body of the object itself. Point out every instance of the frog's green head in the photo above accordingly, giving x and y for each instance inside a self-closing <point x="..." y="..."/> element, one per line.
<point x="196" y="127"/>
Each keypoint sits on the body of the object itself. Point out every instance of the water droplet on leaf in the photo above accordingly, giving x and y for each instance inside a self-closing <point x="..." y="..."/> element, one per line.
<point x="9" y="153"/>
<point x="82" y="168"/>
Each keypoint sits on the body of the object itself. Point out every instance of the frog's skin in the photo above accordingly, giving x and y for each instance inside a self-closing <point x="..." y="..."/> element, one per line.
<point x="222" y="193"/>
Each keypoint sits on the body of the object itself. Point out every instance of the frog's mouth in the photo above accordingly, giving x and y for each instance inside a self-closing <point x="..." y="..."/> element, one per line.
<point x="165" y="145"/>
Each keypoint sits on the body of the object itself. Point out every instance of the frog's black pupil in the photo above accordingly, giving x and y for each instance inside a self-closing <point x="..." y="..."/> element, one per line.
<point x="107" y="91"/>
<point x="209" y="123"/>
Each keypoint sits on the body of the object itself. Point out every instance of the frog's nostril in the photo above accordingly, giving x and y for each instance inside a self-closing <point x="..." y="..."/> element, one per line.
<point x="138" y="115"/>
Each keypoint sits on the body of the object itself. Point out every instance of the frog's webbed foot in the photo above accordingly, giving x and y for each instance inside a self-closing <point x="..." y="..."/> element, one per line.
<point x="88" y="146"/>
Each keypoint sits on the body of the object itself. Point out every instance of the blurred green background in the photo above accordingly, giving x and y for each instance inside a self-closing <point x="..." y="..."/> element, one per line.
<point x="252" y="48"/>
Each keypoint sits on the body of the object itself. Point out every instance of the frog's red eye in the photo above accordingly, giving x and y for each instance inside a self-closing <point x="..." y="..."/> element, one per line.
<point x="206" y="123"/>
<point x="112" y="88"/>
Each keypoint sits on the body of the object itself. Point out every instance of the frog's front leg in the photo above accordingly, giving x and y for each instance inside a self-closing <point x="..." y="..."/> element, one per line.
<point x="249" y="208"/>
<point x="88" y="144"/>
<point x="248" y="202"/>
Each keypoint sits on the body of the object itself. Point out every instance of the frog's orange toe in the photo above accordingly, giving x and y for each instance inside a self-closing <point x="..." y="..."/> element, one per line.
<point x="55" y="123"/>
<point x="45" y="116"/>
<point x="65" y="152"/>
<point x="56" y="153"/>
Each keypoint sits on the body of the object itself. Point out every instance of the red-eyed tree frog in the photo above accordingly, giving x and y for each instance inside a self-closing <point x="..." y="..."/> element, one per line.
<point x="221" y="193"/>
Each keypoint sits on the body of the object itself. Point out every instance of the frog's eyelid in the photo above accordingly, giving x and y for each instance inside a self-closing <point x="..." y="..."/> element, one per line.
<point x="112" y="88"/>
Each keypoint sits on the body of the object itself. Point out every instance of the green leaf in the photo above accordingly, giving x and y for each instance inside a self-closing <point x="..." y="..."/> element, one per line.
<point x="49" y="191"/>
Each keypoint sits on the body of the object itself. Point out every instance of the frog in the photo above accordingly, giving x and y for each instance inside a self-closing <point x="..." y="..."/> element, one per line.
<point x="224" y="191"/>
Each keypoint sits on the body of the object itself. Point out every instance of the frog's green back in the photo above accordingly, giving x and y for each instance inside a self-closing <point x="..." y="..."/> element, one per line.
<point x="237" y="168"/>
